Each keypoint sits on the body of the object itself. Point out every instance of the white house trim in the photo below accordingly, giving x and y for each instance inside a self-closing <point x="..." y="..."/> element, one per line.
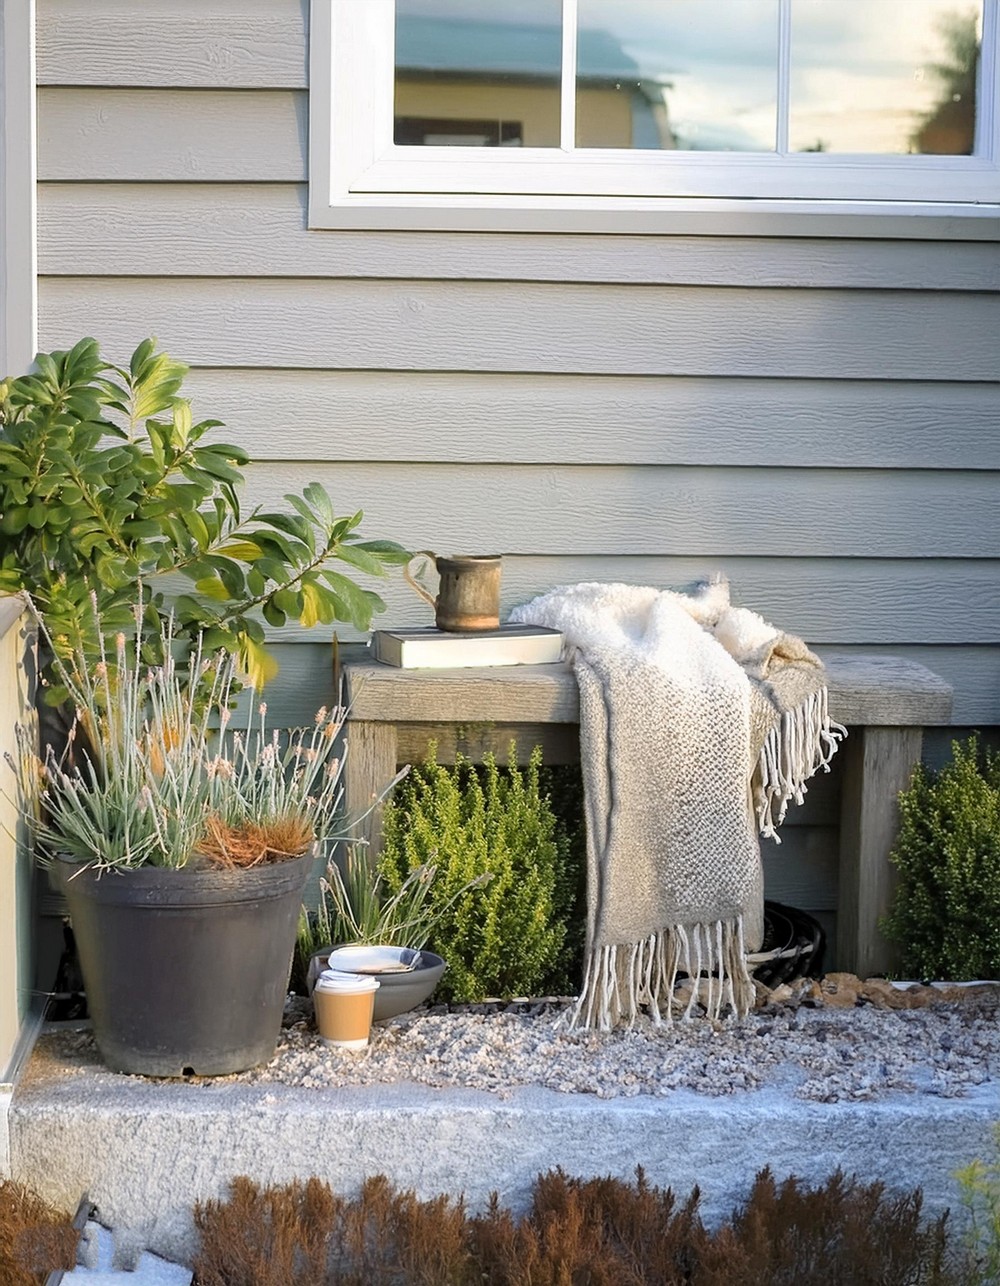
<point x="18" y="336"/>
<point x="18" y="250"/>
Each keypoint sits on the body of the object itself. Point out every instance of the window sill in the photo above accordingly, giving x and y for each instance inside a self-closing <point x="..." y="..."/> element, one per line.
<point x="935" y="221"/>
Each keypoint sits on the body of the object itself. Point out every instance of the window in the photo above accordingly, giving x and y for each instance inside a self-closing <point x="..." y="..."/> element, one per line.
<point x="608" y="114"/>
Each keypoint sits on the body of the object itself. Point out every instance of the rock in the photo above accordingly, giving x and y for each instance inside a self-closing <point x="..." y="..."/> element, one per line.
<point x="883" y="995"/>
<point x="806" y="991"/>
<point x="976" y="993"/>
<point x="840" y="990"/>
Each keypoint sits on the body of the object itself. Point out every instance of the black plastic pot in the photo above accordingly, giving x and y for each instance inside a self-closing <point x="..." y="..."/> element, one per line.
<point x="185" y="971"/>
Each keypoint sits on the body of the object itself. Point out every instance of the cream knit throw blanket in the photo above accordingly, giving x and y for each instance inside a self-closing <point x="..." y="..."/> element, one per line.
<point x="699" y="722"/>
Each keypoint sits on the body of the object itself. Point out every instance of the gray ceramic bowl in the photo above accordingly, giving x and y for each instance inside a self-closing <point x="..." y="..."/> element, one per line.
<point x="397" y="992"/>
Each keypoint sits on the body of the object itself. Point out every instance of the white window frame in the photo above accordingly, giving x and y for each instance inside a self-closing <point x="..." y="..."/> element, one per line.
<point x="359" y="178"/>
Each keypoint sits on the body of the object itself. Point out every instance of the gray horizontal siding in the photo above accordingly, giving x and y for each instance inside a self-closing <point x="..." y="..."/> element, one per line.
<point x="260" y="230"/>
<point x="704" y="512"/>
<point x="179" y="43"/>
<point x="164" y="136"/>
<point x="467" y="416"/>
<point x="524" y="326"/>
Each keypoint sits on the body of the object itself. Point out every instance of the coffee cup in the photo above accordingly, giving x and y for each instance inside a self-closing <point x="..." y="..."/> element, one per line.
<point x="344" y="1003"/>
<point x="468" y="598"/>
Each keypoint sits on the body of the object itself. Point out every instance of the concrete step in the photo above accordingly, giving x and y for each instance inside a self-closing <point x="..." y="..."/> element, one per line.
<point x="145" y="1150"/>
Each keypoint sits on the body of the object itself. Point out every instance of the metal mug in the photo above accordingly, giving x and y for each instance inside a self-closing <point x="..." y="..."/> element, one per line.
<point x="468" y="598"/>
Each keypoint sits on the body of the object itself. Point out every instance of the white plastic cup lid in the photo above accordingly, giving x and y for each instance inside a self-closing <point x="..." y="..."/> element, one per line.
<point x="335" y="980"/>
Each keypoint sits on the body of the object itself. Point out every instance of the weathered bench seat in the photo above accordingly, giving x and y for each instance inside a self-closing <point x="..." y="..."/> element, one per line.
<point x="884" y="701"/>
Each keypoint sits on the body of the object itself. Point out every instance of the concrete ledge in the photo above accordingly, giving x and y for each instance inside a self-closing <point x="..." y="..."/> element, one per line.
<point x="145" y="1151"/>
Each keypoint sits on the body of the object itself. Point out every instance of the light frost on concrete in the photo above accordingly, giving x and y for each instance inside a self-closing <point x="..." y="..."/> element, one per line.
<point x="821" y="1054"/>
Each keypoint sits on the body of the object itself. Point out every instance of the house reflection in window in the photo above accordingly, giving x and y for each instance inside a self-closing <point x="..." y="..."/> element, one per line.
<point x="469" y="79"/>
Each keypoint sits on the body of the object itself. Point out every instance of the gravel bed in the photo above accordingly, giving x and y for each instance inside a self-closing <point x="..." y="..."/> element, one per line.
<point x="814" y="1051"/>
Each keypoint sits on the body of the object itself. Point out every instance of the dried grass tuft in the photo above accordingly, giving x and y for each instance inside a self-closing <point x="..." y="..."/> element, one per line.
<point x="244" y="844"/>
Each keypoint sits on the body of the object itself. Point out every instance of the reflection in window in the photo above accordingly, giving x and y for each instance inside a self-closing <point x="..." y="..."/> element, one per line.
<point x="888" y="77"/>
<point x="695" y="75"/>
<point x="893" y="77"/>
<point x="476" y="75"/>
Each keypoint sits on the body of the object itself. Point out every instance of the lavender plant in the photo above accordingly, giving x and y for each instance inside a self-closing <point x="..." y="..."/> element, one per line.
<point x="150" y="776"/>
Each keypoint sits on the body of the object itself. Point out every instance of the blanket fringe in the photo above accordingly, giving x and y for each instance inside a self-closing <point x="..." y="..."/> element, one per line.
<point x="805" y="741"/>
<point x="622" y="977"/>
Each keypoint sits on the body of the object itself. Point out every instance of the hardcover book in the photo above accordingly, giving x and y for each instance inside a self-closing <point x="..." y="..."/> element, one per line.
<point x="430" y="648"/>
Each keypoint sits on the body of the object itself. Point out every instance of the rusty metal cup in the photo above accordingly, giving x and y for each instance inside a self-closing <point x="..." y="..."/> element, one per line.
<point x="468" y="597"/>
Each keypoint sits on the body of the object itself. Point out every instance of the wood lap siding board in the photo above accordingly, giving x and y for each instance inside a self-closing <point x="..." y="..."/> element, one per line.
<point x="818" y="415"/>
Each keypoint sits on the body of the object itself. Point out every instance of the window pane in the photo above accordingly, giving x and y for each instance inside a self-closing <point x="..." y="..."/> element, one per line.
<point x="696" y="75"/>
<point x="478" y="75"/>
<point x="885" y="76"/>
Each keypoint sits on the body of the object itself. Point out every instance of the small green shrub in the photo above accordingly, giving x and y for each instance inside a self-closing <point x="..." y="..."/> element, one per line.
<point x="503" y="937"/>
<point x="979" y="1184"/>
<point x="946" y="913"/>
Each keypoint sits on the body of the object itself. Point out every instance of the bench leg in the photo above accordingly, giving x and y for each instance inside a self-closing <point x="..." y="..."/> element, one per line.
<point x="878" y="765"/>
<point x="369" y="767"/>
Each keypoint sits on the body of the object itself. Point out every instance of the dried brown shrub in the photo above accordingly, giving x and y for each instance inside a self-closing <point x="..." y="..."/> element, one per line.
<point x="601" y="1232"/>
<point x="393" y="1237"/>
<point x="35" y="1238"/>
<point x="841" y="1233"/>
<point x="272" y="1236"/>
<point x="578" y="1232"/>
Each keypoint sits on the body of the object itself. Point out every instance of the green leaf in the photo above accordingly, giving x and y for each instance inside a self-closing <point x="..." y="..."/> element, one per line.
<point x="196" y="525"/>
<point x="182" y="421"/>
<point x="290" y="524"/>
<point x="361" y="559"/>
<point x="216" y="466"/>
<point x="47" y="368"/>
<point x="312" y="607"/>
<point x="244" y="550"/>
<point x="287" y="601"/>
<point x="273" y="614"/>
<point x="388" y="550"/>
<point x="212" y="588"/>
<point x="360" y="603"/>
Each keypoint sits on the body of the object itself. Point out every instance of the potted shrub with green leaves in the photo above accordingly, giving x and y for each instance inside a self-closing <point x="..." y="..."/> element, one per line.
<point x="106" y="480"/>
<point x="182" y="849"/>
<point x="945" y="916"/>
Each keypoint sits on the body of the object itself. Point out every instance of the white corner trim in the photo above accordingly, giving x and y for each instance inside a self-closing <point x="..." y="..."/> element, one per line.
<point x="18" y="235"/>
<point x="31" y="1027"/>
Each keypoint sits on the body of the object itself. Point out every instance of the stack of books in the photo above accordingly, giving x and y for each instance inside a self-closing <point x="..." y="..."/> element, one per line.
<point x="432" y="649"/>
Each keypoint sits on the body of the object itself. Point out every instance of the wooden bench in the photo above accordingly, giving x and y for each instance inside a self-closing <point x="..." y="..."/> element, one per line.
<point x="884" y="701"/>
